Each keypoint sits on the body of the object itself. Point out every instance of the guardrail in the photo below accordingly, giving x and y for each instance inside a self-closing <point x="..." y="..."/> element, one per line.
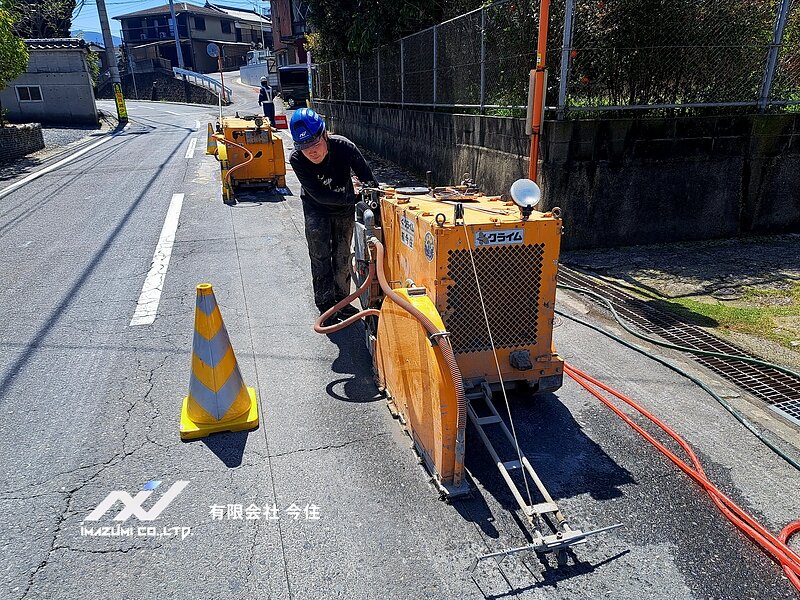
<point x="204" y="81"/>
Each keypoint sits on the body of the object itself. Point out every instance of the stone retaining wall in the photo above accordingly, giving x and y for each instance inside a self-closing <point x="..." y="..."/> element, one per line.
<point x="19" y="140"/>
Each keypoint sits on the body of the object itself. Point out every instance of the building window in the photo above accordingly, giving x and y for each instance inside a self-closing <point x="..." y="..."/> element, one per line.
<point x="200" y="23"/>
<point x="29" y="93"/>
<point x="226" y="26"/>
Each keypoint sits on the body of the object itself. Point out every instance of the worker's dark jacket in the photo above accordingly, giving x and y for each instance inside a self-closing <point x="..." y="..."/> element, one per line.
<point x="327" y="187"/>
<point x="265" y="94"/>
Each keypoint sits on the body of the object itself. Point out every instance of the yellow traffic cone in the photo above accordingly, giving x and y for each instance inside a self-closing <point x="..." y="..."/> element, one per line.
<point x="211" y="143"/>
<point x="218" y="399"/>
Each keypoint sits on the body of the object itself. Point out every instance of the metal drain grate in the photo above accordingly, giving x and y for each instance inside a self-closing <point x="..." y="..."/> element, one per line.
<point x="788" y="410"/>
<point x="510" y="279"/>
<point x="771" y="386"/>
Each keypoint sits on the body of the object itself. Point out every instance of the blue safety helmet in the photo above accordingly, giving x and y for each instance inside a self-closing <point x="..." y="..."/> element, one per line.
<point x="306" y="127"/>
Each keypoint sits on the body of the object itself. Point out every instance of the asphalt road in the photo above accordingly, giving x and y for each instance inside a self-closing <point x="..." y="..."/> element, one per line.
<point x="90" y="405"/>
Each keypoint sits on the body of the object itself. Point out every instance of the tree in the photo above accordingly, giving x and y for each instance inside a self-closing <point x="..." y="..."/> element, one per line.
<point x="13" y="54"/>
<point x="347" y="27"/>
<point x="41" y="18"/>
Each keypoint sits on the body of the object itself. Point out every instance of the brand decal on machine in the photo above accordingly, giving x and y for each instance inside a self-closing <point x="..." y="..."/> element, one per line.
<point x="429" y="246"/>
<point x="499" y="238"/>
<point x="407" y="230"/>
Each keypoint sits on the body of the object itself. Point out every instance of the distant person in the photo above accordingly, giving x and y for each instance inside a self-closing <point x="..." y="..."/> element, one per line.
<point x="265" y="100"/>
<point x="323" y="164"/>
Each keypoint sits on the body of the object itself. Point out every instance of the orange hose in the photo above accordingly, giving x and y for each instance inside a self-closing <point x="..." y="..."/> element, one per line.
<point x="247" y="152"/>
<point x="370" y="312"/>
<point x="776" y="546"/>
<point x="441" y="341"/>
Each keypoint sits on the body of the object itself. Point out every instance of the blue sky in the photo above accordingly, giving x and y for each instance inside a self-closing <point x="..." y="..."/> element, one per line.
<point x="87" y="19"/>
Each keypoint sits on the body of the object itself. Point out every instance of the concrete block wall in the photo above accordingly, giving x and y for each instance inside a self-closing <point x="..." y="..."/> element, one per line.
<point x="619" y="181"/>
<point x="627" y="182"/>
<point x="19" y="140"/>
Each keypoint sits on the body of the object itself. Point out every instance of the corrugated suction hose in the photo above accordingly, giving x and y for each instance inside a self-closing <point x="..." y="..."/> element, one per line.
<point x="441" y="340"/>
<point x="444" y="345"/>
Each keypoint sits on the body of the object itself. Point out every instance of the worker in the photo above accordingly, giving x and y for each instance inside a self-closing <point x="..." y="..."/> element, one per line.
<point x="323" y="163"/>
<point x="265" y="100"/>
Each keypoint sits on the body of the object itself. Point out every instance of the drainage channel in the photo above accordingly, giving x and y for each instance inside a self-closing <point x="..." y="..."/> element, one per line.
<point x="779" y="390"/>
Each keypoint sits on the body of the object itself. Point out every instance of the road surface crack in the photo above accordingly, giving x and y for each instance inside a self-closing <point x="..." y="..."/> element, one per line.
<point x="329" y="446"/>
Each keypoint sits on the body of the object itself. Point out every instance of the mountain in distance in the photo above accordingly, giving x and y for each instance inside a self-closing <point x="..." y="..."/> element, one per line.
<point x="94" y="36"/>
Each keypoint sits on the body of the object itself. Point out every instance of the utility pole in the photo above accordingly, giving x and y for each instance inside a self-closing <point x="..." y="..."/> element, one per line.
<point x="257" y="9"/>
<point x="122" y="111"/>
<point x="175" y="32"/>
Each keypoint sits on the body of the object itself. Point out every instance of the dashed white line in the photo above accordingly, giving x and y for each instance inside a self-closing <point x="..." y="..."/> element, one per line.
<point x="190" y="150"/>
<point x="147" y="306"/>
<point x="197" y="124"/>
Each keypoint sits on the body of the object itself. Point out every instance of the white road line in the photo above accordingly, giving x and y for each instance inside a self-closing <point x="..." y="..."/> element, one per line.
<point x="147" y="307"/>
<point x="197" y="124"/>
<point x="190" y="151"/>
<point x="8" y="189"/>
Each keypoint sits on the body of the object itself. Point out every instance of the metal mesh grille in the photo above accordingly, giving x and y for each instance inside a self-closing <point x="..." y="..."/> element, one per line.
<point x="335" y="78"/>
<point x="369" y="77"/>
<point x="617" y="55"/>
<point x="390" y="84"/>
<point x="418" y="68"/>
<point x="510" y="53"/>
<point x="681" y="52"/>
<point x="351" y="79"/>
<point x="789" y="410"/>
<point x="458" y="61"/>
<point x="510" y="278"/>
<point x="786" y="86"/>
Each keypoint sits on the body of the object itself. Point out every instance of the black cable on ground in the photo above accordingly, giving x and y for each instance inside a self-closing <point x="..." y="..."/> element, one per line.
<point x="746" y="359"/>
<point x="736" y="414"/>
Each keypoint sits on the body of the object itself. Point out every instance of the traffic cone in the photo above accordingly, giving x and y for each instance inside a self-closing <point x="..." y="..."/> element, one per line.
<point x="211" y="143"/>
<point x="280" y="122"/>
<point x="218" y="399"/>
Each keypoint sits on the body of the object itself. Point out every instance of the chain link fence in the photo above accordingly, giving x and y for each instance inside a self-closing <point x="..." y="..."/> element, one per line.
<point x="602" y="55"/>
<point x="786" y="85"/>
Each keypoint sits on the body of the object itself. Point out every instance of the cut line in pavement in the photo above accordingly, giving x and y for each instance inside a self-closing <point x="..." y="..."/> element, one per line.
<point x="147" y="306"/>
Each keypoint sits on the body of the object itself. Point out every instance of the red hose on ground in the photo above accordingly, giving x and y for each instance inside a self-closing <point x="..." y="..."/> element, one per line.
<point x="776" y="546"/>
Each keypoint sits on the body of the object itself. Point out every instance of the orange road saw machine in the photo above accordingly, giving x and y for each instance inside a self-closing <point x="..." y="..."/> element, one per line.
<point x="250" y="155"/>
<point x="458" y="294"/>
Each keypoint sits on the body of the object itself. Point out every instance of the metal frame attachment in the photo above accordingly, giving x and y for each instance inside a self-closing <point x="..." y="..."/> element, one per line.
<point x="561" y="535"/>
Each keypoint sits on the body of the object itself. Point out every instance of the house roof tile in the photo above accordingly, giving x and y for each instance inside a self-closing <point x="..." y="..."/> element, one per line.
<point x="55" y="43"/>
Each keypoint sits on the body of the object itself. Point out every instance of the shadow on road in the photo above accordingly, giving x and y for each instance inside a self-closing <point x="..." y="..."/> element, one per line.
<point x="246" y="198"/>
<point x="228" y="446"/>
<point x="353" y="360"/>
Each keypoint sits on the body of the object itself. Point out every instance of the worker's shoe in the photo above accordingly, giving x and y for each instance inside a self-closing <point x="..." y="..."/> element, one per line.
<point x="330" y="321"/>
<point x="347" y="312"/>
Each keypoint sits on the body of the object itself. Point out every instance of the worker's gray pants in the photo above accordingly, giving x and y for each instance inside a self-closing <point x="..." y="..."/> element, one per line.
<point x="329" y="238"/>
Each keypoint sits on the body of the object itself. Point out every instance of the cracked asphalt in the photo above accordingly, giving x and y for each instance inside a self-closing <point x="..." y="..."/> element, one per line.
<point x="91" y="405"/>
